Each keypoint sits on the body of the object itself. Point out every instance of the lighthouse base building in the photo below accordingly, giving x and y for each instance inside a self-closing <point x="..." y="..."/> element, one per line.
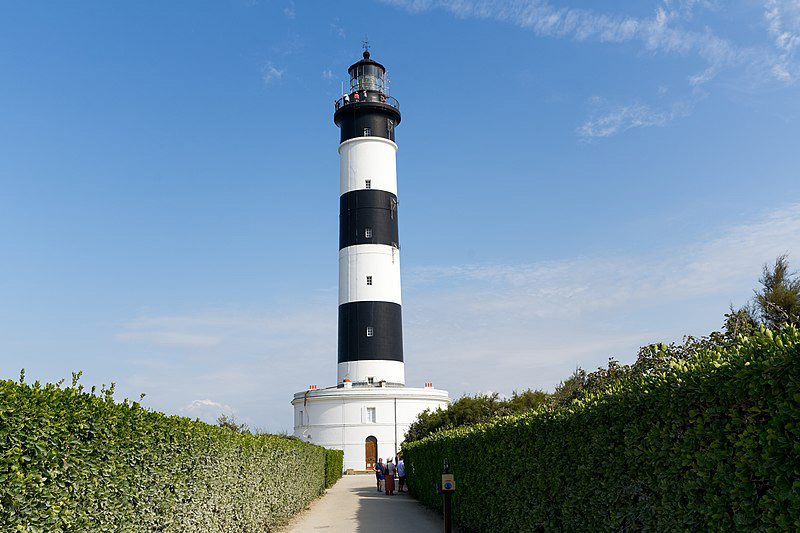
<point x="367" y="421"/>
<point x="369" y="410"/>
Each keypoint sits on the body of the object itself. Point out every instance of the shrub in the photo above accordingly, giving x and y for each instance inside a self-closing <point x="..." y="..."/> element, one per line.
<point x="72" y="461"/>
<point x="334" y="465"/>
<point x="708" y="444"/>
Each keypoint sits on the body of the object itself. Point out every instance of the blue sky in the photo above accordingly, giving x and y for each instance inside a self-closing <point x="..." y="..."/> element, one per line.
<point x="574" y="182"/>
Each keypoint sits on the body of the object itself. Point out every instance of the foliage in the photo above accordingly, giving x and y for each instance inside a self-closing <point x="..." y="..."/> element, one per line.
<point x="708" y="442"/>
<point x="334" y="465"/>
<point x="73" y="461"/>
<point x="472" y="410"/>
<point x="778" y="301"/>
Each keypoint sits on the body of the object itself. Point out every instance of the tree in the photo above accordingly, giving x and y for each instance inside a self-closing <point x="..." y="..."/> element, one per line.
<point x="225" y="421"/>
<point x="469" y="410"/>
<point x="569" y="389"/>
<point x="778" y="301"/>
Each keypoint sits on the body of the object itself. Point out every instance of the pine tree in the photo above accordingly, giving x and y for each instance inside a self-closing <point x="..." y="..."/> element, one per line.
<point x="778" y="301"/>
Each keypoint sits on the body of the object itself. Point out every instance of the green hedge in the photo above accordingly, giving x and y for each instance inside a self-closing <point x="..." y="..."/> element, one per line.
<point x="334" y="463"/>
<point x="70" y="461"/>
<point x="711" y="445"/>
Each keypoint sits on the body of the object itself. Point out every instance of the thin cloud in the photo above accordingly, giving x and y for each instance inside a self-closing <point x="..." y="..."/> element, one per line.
<point x="270" y="73"/>
<point x="327" y="74"/>
<point x="663" y="32"/>
<point x="783" y="24"/>
<point x="471" y="327"/>
<point x="624" y="118"/>
<point x="169" y="338"/>
<point x="289" y="11"/>
<point x="206" y="410"/>
<point x="336" y="29"/>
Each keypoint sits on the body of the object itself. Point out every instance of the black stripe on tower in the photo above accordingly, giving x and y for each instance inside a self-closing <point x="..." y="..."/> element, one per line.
<point x="367" y="118"/>
<point x="386" y="342"/>
<point x="368" y="216"/>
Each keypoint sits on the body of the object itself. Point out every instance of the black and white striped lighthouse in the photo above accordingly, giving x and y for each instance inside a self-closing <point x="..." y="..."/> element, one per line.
<point x="370" y="319"/>
<point x="368" y="411"/>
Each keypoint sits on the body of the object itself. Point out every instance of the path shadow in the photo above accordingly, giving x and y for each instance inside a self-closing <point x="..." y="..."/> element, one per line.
<point x="400" y="513"/>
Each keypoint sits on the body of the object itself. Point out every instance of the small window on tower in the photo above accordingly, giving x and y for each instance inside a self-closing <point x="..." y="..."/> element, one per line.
<point x="368" y="184"/>
<point x="370" y="331"/>
<point x="369" y="280"/>
<point x="367" y="132"/>
<point x="368" y="233"/>
<point x="371" y="415"/>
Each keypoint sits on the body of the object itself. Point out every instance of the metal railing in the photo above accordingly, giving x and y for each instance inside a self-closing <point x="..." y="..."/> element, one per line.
<point x="366" y="96"/>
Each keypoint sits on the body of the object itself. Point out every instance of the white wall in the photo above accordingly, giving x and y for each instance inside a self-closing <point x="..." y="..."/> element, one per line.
<point x="368" y="158"/>
<point x="336" y="419"/>
<point x="377" y="260"/>
<point x="360" y="371"/>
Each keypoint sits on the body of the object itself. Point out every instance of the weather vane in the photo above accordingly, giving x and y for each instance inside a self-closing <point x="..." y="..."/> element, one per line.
<point x="365" y="44"/>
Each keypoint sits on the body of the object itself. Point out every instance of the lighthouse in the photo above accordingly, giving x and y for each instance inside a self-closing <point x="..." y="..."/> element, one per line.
<point x="367" y="412"/>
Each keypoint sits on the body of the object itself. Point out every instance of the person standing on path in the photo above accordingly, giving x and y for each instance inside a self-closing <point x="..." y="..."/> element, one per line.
<point x="389" y="477"/>
<point x="379" y="473"/>
<point x="401" y="474"/>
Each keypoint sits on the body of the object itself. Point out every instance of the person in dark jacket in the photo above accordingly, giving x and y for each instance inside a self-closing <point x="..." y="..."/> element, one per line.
<point x="379" y="468"/>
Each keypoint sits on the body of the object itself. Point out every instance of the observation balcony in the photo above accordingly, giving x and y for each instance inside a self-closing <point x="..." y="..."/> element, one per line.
<point x="364" y="96"/>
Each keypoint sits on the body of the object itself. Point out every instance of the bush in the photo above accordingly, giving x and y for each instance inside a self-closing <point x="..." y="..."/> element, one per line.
<point x="709" y="444"/>
<point x="334" y="464"/>
<point x="71" y="461"/>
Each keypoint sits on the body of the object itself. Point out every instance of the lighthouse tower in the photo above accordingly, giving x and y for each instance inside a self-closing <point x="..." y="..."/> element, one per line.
<point x="367" y="412"/>
<point x="370" y="321"/>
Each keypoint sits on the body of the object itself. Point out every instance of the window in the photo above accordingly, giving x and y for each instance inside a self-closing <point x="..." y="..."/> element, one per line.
<point x="370" y="415"/>
<point x="367" y="132"/>
<point x="368" y="184"/>
<point x="371" y="380"/>
<point x="369" y="280"/>
<point x="299" y="418"/>
<point x="392" y="208"/>
<point x="368" y="233"/>
<point x="370" y="331"/>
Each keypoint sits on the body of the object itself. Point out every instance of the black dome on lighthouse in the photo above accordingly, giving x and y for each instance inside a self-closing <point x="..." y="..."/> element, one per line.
<point x="366" y="61"/>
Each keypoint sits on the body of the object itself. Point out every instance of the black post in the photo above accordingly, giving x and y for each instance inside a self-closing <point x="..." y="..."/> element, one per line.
<point x="448" y="505"/>
<point x="448" y="513"/>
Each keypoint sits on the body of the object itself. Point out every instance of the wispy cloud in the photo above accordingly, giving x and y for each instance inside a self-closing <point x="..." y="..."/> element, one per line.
<point x="472" y="327"/>
<point x="206" y="410"/>
<point x="656" y="33"/>
<point x="270" y="73"/>
<point x="289" y="11"/>
<point x="666" y="31"/>
<point x="783" y="23"/>
<point x="336" y="29"/>
<point x="673" y="28"/>
<point x="327" y="74"/>
<point x="627" y="117"/>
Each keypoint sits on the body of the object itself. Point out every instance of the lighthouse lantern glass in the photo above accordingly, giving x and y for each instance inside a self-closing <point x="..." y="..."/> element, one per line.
<point x="367" y="78"/>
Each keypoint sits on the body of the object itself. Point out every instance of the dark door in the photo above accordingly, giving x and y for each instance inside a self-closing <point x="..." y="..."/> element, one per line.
<point x="371" y="451"/>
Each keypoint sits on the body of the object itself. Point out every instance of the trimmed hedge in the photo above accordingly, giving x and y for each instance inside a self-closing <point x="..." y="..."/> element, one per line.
<point x="71" y="461"/>
<point x="334" y="465"/>
<point x="711" y="445"/>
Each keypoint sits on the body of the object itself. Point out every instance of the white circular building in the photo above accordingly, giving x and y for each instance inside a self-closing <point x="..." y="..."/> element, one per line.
<point x="367" y="412"/>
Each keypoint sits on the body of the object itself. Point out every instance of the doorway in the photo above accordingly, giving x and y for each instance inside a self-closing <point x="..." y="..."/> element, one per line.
<point x="371" y="452"/>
